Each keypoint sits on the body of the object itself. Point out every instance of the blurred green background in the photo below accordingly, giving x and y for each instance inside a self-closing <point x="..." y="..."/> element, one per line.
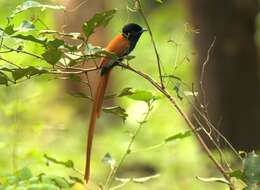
<point x="39" y="116"/>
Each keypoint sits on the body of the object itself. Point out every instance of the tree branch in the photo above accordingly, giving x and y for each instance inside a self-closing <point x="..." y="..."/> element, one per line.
<point x="185" y="117"/>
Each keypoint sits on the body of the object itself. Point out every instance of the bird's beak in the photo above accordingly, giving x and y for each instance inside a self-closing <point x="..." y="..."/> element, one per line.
<point x="144" y="30"/>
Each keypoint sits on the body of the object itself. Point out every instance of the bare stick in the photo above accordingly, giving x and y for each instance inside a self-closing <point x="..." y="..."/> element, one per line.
<point x="152" y="40"/>
<point x="221" y="154"/>
<point x="129" y="147"/>
<point x="212" y="127"/>
<point x="202" y="78"/>
<point x="75" y="70"/>
<point x="22" y="51"/>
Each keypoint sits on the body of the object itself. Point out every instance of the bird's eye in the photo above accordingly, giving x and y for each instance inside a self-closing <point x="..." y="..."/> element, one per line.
<point x="129" y="35"/>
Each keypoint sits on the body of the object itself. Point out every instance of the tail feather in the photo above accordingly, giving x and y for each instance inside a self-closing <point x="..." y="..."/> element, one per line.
<point x="96" y="110"/>
<point x="101" y="94"/>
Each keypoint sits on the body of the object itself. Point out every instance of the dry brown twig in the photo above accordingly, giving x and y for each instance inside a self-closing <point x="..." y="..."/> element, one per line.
<point x="202" y="76"/>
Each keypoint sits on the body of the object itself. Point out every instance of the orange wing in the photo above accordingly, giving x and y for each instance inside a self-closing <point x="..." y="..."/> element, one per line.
<point x="119" y="46"/>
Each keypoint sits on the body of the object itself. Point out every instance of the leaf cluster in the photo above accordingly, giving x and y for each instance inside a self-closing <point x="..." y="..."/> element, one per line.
<point x="24" y="179"/>
<point x="54" y="50"/>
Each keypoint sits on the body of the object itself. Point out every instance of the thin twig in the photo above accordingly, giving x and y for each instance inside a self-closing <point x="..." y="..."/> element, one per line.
<point x="75" y="70"/>
<point x="221" y="154"/>
<point x="152" y="40"/>
<point x="129" y="147"/>
<point x="211" y="126"/>
<point x="205" y="106"/>
<point x="22" y="51"/>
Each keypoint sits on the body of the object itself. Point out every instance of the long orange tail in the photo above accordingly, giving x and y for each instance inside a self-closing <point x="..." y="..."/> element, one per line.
<point x="96" y="110"/>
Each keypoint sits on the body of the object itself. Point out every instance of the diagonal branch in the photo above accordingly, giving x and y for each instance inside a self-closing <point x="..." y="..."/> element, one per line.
<point x="185" y="117"/>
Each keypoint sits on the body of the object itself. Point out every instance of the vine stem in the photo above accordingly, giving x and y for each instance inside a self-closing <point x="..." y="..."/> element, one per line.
<point x="186" y="119"/>
<point x="152" y="40"/>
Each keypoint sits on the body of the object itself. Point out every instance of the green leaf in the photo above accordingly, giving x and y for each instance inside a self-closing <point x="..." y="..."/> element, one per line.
<point x="251" y="169"/>
<point x="9" y="180"/>
<point x="251" y="187"/>
<point x="3" y="79"/>
<point x="60" y="182"/>
<point x="55" y="43"/>
<point x="76" y="179"/>
<point x="129" y="57"/>
<point x="26" y="26"/>
<point x="178" y="136"/>
<point x="19" y="73"/>
<point x="31" y="38"/>
<point x="10" y="29"/>
<point x="99" y="19"/>
<point x="140" y="95"/>
<point x="213" y="179"/>
<point x="24" y="173"/>
<point x="126" y="92"/>
<point x="236" y="173"/>
<point x="80" y="95"/>
<point x="34" y="4"/>
<point x="177" y="89"/>
<point x="71" y="47"/>
<point x="107" y="159"/>
<point x="52" y="55"/>
<point x="27" y="72"/>
<point x="116" y="110"/>
<point x="67" y="164"/>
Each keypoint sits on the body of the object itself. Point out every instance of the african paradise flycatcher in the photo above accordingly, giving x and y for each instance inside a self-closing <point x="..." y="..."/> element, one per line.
<point x="121" y="45"/>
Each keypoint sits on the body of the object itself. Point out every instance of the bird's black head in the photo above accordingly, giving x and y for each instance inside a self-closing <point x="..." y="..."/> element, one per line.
<point x="132" y="32"/>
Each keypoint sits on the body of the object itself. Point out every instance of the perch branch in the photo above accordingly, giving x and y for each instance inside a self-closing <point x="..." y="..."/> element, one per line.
<point x="185" y="117"/>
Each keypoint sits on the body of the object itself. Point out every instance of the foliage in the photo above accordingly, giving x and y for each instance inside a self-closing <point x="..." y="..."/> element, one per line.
<point x="250" y="172"/>
<point x="24" y="179"/>
<point x="99" y="19"/>
<point x="33" y="4"/>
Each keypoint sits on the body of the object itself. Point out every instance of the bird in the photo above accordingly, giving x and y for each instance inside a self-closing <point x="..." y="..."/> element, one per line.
<point x="122" y="45"/>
